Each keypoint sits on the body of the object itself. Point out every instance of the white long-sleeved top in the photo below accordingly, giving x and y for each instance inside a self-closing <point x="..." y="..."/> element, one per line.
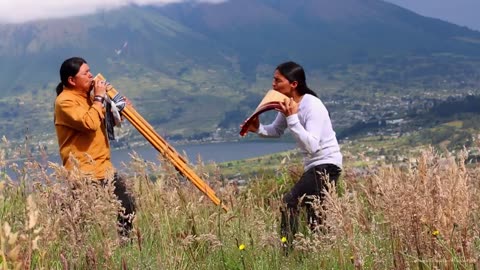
<point x="313" y="131"/>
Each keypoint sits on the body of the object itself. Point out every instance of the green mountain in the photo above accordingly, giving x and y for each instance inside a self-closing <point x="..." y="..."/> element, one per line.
<point x="190" y="68"/>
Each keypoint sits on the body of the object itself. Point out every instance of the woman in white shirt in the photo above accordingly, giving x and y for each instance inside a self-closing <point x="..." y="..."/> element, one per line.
<point x="304" y="114"/>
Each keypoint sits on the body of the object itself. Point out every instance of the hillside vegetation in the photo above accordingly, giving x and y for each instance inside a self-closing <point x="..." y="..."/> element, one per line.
<point x="192" y="68"/>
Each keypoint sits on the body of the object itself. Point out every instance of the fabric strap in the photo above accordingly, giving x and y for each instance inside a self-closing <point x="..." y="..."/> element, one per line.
<point x="113" y="107"/>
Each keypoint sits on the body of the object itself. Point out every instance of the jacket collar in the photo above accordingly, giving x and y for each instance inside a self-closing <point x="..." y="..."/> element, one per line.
<point x="77" y="92"/>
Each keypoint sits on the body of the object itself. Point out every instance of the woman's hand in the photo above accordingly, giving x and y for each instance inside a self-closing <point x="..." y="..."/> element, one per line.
<point x="253" y="126"/>
<point x="288" y="107"/>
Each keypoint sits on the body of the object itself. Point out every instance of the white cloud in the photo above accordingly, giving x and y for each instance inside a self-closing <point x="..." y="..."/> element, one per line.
<point x="18" y="11"/>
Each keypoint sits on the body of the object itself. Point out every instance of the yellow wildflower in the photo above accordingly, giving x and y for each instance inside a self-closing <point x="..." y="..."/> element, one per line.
<point x="435" y="233"/>
<point x="284" y="239"/>
<point x="241" y="247"/>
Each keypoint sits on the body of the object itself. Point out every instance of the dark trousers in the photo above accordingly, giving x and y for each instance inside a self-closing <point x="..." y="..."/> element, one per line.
<point x="127" y="201"/>
<point x="312" y="183"/>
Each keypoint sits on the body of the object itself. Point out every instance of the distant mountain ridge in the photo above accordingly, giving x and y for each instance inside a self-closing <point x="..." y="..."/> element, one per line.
<point x="324" y="27"/>
<point x="188" y="65"/>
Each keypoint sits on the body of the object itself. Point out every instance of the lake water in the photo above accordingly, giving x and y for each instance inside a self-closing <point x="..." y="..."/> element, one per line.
<point x="209" y="152"/>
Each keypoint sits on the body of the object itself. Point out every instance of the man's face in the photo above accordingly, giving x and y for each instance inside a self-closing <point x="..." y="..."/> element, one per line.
<point x="83" y="79"/>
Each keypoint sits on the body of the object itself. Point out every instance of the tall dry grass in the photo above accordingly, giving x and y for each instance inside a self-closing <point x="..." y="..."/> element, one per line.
<point x="421" y="215"/>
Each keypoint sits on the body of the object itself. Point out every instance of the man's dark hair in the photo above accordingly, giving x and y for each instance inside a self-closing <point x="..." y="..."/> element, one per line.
<point x="70" y="67"/>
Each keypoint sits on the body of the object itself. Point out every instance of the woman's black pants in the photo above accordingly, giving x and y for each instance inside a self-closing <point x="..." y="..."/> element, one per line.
<point x="312" y="183"/>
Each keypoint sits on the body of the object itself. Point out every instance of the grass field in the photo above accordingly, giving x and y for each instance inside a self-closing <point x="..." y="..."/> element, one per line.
<point x="420" y="214"/>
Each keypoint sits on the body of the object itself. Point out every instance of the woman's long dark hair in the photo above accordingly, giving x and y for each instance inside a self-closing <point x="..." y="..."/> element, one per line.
<point x="70" y="67"/>
<point x="293" y="72"/>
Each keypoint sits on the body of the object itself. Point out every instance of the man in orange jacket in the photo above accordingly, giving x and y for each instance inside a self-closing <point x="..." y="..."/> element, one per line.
<point x="81" y="131"/>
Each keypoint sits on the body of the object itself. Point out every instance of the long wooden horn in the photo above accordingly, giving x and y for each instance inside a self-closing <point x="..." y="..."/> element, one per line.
<point x="162" y="146"/>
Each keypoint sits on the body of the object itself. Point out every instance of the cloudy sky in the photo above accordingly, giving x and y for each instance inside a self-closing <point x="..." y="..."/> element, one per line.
<point x="461" y="12"/>
<point x="15" y="11"/>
